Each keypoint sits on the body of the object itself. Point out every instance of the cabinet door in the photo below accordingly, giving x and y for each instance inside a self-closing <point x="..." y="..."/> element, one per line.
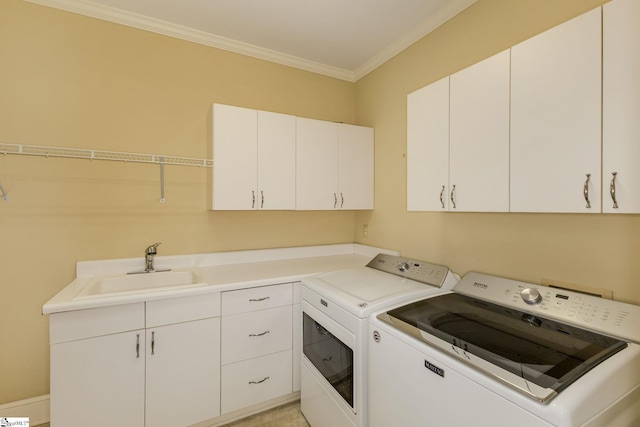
<point x="183" y="373"/>
<point x="621" y="106"/>
<point x="99" y="381"/>
<point x="276" y="161"/>
<point x="428" y="148"/>
<point x="556" y="118"/>
<point x="235" y="154"/>
<point x="355" y="167"/>
<point x="479" y="136"/>
<point x="317" y="164"/>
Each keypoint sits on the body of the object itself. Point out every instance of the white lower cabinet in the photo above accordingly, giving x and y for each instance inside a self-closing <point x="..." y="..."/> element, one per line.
<point x="257" y="345"/>
<point x="98" y="381"/>
<point x="255" y="380"/>
<point x="108" y="369"/>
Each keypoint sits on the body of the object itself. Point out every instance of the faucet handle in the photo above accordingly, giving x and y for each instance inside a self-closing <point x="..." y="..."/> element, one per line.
<point x="151" y="250"/>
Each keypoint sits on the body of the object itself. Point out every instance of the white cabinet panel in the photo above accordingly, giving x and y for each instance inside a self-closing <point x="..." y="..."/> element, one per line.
<point x="183" y="373"/>
<point x="355" y="167"/>
<point x="99" y="381"/>
<point x="253" y="159"/>
<point x="317" y="164"/>
<point x="556" y="118"/>
<point x="276" y="161"/>
<point x="428" y="148"/>
<point x="479" y="136"/>
<point x="621" y="106"/>
<point x="235" y="153"/>
<point x="253" y="334"/>
<point x="258" y="298"/>
<point x="335" y="164"/>
<point x="255" y="380"/>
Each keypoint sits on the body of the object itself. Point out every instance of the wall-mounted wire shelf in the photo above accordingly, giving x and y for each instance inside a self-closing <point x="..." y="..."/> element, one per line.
<point x="83" y="153"/>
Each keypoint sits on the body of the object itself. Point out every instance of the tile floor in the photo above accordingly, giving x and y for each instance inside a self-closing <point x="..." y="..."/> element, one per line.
<point x="288" y="415"/>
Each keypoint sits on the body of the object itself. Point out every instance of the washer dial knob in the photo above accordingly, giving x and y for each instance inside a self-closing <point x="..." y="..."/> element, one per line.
<point x="531" y="296"/>
<point x="403" y="266"/>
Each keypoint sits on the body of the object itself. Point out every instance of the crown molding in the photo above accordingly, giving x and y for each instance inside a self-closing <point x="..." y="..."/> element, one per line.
<point x="118" y="16"/>
<point x="444" y="14"/>
<point x="158" y="26"/>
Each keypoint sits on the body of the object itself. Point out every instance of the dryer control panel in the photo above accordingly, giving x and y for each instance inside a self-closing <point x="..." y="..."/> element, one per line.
<point x="419" y="271"/>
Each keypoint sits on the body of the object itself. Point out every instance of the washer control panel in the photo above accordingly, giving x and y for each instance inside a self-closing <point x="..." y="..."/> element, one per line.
<point x="420" y="271"/>
<point x="610" y="317"/>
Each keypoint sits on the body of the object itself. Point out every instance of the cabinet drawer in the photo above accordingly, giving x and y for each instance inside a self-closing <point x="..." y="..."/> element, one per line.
<point x="183" y="309"/>
<point x="255" y="334"/>
<point x="259" y="298"/>
<point x="93" y="322"/>
<point x="254" y="381"/>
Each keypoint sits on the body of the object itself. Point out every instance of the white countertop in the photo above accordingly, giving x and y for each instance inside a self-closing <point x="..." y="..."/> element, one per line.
<point x="217" y="271"/>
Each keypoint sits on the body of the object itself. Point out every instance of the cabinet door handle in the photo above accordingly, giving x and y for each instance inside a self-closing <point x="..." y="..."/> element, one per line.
<point x="137" y="346"/>
<point x="258" y="299"/>
<point x="260" y="334"/>
<point x="261" y="199"/>
<point x="585" y="191"/>
<point x="153" y="342"/>
<point x="612" y="189"/>
<point x="453" y="192"/>
<point x="335" y="200"/>
<point x="259" y="382"/>
<point x="341" y="200"/>
<point x="253" y="199"/>
<point x="442" y="197"/>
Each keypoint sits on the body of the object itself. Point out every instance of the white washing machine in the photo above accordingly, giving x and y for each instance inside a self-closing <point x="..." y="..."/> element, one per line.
<point x="498" y="352"/>
<point x="335" y="311"/>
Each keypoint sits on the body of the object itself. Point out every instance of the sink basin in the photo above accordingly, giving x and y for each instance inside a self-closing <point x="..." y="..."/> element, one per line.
<point x="138" y="282"/>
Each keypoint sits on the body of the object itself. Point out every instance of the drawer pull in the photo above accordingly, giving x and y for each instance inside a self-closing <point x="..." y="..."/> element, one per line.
<point x="327" y="359"/>
<point x="585" y="191"/>
<point x="260" y="334"/>
<point x="153" y="343"/>
<point x="137" y="346"/>
<point x="612" y="189"/>
<point x="259" y="299"/>
<point x="259" y="382"/>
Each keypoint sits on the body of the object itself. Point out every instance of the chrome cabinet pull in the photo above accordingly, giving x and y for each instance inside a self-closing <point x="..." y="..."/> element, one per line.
<point x="261" y="199"/>
<point x="341" y="200"/>
<point x="335" y="201"/>
<point x="453" y="191"/>
<point x="259" y="382"/>
<point x="612" y="189"/>
<point x="258" y="299"/>
<point x="153" y="342"/>
<point x="253" y="199"/>
<point x="585" y="191"/>
<point x="137" y="346"/>
<point x="442" y="197"/>
<point x="260" y="334"/>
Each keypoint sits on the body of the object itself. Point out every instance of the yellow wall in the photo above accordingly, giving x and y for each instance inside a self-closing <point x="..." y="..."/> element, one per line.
<point x="593" y="250"/>
<point x="73" y="81"/>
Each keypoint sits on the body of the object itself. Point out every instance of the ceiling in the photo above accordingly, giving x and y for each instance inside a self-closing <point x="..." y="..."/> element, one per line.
<point x="345" y="39"/>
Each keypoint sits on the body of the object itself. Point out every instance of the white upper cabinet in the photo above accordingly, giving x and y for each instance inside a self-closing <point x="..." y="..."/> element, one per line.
<point x="355" y="167"/>
<point x="334" y="166"/>
<point x="276" y="161"/>
<point x="317" y="164"/>
<point x="428" y="148"/>
<point x="621" y="107"/>
<point x="556" y="118"/>
<point x="479" y="136"/>
<point x="253" y="159"/>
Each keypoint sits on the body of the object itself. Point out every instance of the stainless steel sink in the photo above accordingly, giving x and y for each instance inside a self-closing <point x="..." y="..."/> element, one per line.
<point x="137" y="282"/>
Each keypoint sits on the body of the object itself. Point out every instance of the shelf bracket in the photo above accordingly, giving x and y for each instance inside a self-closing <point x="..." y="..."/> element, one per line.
<point x="5" y="195"/>
<point x="162" y="199"/>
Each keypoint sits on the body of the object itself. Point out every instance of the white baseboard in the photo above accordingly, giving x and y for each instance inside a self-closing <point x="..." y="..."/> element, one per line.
<point x="35" y="408"/>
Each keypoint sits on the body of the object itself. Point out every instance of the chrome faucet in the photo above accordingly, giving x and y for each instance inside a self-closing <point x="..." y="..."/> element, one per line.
<point x="149" y="254"/>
